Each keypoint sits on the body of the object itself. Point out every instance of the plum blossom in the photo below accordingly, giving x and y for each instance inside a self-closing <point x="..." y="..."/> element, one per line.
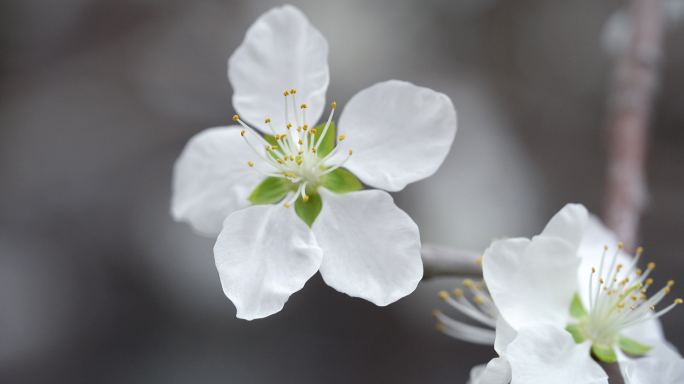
<point x="537" y="294"/>
<point x="272" y="187"/>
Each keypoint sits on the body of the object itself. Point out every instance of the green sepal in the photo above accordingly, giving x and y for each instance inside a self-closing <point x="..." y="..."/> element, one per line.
<point x="328" y="142"/>
<point x="309" y="211"/>
<point x="271" y="190"/>
<point x="341" y="181"/>
<point x="576" y="332"/>
<point x="632" y="347"/>
<point x="576" y="309"/>
<point x="604" y="352"/>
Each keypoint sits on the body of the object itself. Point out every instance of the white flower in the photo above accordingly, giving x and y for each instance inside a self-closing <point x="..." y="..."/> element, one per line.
<point x="540" y="292"/>
<point x="362" y="244"/>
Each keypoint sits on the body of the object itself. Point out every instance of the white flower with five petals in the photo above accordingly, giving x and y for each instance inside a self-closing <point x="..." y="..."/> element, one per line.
<point x="362" y="244"/>
<point x="544" y="333"/>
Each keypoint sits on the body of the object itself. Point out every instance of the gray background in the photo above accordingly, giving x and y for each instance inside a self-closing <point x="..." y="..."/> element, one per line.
<point x="97" y="99"/>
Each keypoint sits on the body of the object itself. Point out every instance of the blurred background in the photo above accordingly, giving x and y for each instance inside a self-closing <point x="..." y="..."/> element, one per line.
<point x="98" y="98"/>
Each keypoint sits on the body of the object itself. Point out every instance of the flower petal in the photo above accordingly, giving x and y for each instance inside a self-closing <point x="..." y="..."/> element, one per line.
<point x="211" y="179"/>
<point x="372" y="248"/>
<point x="281" y="51"/>
<point x="570" y="224"/>
<point x="264" y="254"/>
<point x="400" y="133"/>
<point x="543" y="353"/>
<point x="505" y="334"/>
<point x="531" y="280"/>
<point x="663" y="365"/>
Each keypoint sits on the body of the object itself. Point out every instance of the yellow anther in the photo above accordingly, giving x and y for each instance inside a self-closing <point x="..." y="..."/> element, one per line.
<point x="651" y="265"/>
<point x="640" y="250"/>
<point x="620" y="245"/>
<point x="283" y="136"/>
<point x="443" y="295"/>
<point x="351" y="151"/>
<point x="277" y="137"/>
<point x="670" y="283"/>
<point x="649" y="281"/>
<point x="313" y="130"/>
<point x="267" y="121"/>
<point x="631" y="307"/>
<point x="621" y="305"/>
<point x="235" y="118"/>
<point x="638" y="272"/>
<point x="467" y="283"/>
<point x="495" y="239"/>
<point x="279" y="161"/>
<point x="342" y="137"/>
<point x="306" y="126"/>
<point x="593" y="270"/>
<point x="286" y="93"/>
<point x="633" y="297"/>
<point x="642" y="297"/>
<point x="479" y="261"/>
<point x="303" y="106"/>
<point x="289" y="125"/>
<point x="306" y="198"/>
<point x="274" y="147"/>
<point x="286" y="205"/>
<point x="250" y="163"/>
<point x="458" y="292"/>
<point x="299" y="162"/>
<point x="614" y="278"/>
<point x="601" y="280"/>
<point x="678" y="301"/>
<point x="667" y="289"/>
<point x="293" y="91"/>
<point x="309" y="133"/>
<point x="477" y="300"/>
<point x="291" y="158"/>
<point x="300" y="152"/>
<point x="643" y="291"/>
<point x="301" y="142"/>
<point x="299" y="129"/>
<point x="268" y="148"/>
<point x="619" y="267"/>
<point x="294" y="176"/>
<point x="436" y="313"/>
<point x="334" y="104"/>
<point x="441" y="327"/>
<point x="242" y="133"/>
<point x="651" y="307"/>
<point x="313" y="149"/>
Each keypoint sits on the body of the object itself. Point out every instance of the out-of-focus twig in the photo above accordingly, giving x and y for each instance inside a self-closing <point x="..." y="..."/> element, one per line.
<point x="444" y="261"/>
<point x="631" y="99"/>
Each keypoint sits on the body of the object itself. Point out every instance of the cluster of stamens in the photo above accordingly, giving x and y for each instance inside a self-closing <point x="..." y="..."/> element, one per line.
<point x="295" y="157"/>
<point x="618" y="300"/>
<point x="474" y="301"/>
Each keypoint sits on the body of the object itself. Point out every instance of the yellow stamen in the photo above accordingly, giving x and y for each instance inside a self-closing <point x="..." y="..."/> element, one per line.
<point x="293" y="91"/>
<point x="300" y="152"/>
<point x="620" y="245"/>
<point x="593" y="270"/>
<point x="651" y="307"/>
<point x="351" y="151"/>
<point x="601" y="280"/>
<point x="235" y="118"/>
<point x="250" y="163"/>
<point x="443" y="295"/>
<point x="268" y="147"/>
<point x="286" y="205"/>
<point x="306" y="198"/>
<point x="299" y="129"/>
<point x="286" y="93"/>
<point x="436" y="313"/>
<point x="289" y="125"/>
<point x="291" y="158"/>
<point x="631" y="307"/>
<point x="334" y="104"/>
<point x="306" y="126"/>
<point x="301" y="142"/>
<point x="242" y="133"/>
<point x="639" y="250"/>
<point x="477" y="300"/>
<point x="299" y="162"/>
<point x="458" y="292"/>
<point x="605" y="247"/>
<point x="479" y="261"/>
<point x="667" y="289"/>
<point x="619" y="267"/>
<point x="638" y="272"/>
<point x="670" y="283"/>
<point x="274" y="147"/>
<point x="267" y="121"/>
<point x="313" y="130"/>
<point x="342" y="137"/>
<point x="651" y="265"/>
<point x="468" y="283"/>
<point x="441" y="327"/>
<point x="313" y="149"/>
<point x="649" y="281"/>
<point x="678" y="301"/>
<point x="279" y="161"/>
<point x="303" y="106"/>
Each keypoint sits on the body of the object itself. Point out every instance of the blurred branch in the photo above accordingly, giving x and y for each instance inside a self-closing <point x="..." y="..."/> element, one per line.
<point x="631" y="98"/>
<point x="444" y="261"/>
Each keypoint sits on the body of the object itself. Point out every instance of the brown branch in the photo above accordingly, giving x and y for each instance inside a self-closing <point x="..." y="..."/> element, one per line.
<point x="444" y="261"/>
<point x="630" y="112"/>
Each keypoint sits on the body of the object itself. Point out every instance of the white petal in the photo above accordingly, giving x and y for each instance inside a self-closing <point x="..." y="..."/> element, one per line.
<point x="476" y="374"/>
<point x="211" y="179"/>
<point x="281" y="51"/>
<point x="531" y="280"/>
<point x="570" y="223"/>
<point x="662" y="365"/>
<point x="543" y="353"/>
<point x="505" y="334"/>
<point x="372" y="248"/>
<point x="497" y="371"/>
<point x="264" y="254"/>
<point x="400" y="133"/>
